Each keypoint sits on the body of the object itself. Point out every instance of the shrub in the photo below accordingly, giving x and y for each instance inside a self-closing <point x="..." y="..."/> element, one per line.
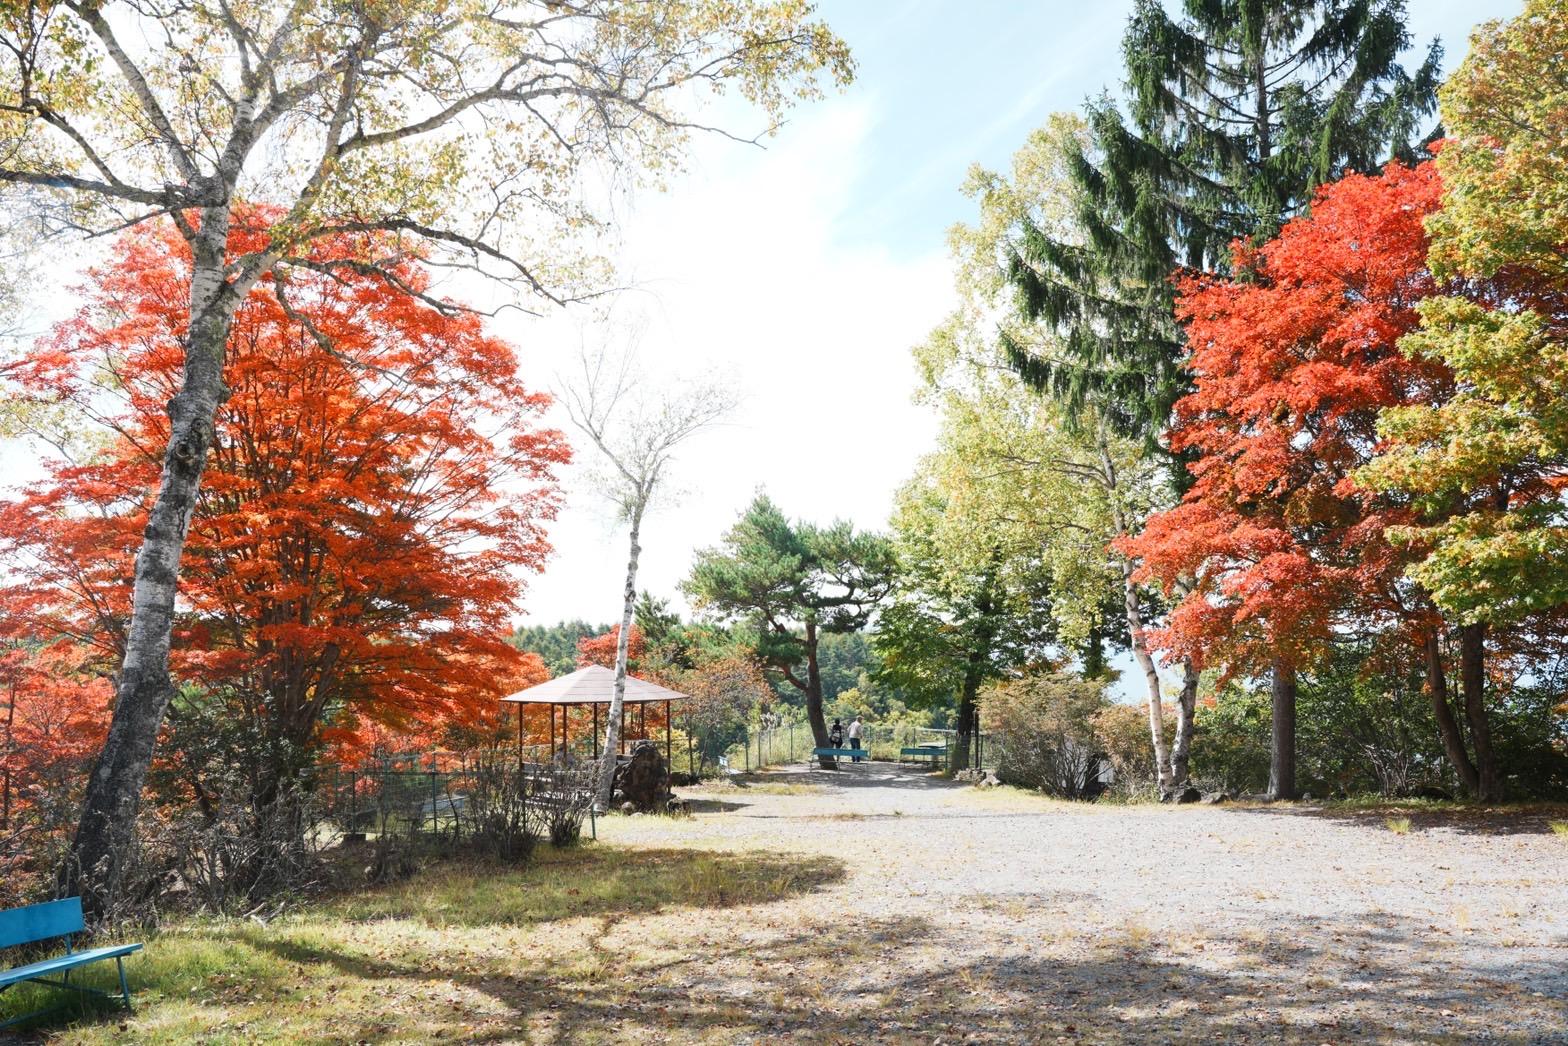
<point x="1042" y="727"/>
<point x="1122" y="732"/>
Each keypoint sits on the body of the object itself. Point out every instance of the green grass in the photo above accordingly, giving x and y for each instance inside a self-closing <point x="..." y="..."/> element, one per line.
<point x="1560" y="828"/>
<point x="460" y="951"/>
<point x="1398" y="825"/>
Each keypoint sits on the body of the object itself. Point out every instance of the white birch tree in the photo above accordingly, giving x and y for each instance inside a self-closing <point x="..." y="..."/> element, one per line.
<point x="636" y="428"/>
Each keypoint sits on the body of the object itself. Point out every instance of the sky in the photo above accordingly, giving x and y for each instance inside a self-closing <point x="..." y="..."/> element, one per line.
<point x="803" y="272"/>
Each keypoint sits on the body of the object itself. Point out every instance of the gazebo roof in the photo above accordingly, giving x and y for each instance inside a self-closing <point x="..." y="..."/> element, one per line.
<point x="594" y="685"/>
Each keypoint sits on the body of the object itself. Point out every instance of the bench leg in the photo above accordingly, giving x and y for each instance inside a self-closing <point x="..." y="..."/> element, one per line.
<point x="125" y="989"/>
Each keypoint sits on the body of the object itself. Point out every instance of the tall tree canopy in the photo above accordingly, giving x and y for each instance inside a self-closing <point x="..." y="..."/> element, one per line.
<point x="379" y="481"/>
<point x="1238" y="109"/>
<point x="797" y="580"/>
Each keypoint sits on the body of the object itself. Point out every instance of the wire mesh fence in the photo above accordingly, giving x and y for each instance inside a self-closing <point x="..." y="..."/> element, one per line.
<point x="425" y="797"/>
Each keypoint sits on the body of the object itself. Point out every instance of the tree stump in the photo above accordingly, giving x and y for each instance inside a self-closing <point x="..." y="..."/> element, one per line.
<point x="644" y="780"/>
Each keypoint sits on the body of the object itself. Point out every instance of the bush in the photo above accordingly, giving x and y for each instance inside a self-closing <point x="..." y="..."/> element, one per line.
<point x="1042" y="730"/>
<point x="1122" y="732"/>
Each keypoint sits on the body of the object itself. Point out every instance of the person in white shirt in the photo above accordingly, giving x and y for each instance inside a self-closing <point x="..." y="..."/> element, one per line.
<point x="855" y="730"/>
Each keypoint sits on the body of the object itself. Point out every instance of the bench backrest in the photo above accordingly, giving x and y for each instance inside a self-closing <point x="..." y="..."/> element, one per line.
<point x="39" y="922"/>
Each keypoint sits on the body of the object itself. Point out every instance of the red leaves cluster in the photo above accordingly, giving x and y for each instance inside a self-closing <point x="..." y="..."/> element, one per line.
<point x="600" y="650"/>
<point x="1292" y="359"/>
<point x="366" y="513"/>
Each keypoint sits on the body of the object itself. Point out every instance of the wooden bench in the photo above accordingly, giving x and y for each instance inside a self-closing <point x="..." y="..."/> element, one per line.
<point x="931" y="752"/>
<point x="841" y="753"/>
<point x="42" y="922"/>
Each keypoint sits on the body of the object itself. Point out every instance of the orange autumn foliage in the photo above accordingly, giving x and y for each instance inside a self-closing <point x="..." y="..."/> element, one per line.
<point x="600" y="650"/>
<point x="1292" y="360"/>
<point x="367" y="517"/>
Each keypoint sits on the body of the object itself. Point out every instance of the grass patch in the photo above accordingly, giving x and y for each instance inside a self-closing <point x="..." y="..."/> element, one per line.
<point x="458" y="952"/>
<point x="1560" y="829"/>
<point x="1398" y="825"/>
<point x="764" y="786"/>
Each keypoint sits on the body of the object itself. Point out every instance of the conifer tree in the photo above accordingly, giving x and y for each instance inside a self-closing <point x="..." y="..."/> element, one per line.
<point x="1236" y="113"/>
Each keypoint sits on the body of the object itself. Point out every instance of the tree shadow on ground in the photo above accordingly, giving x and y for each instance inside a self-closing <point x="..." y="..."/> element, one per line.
<point x="712" y="806"/>
<point x="870" y="981"/>
<point x="1348" y="983"/>
<point x="592" y="881"/>
<point x="1459" y="817"/>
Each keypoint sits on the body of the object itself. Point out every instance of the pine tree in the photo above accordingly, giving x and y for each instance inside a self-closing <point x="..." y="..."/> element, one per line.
<point x="1238" y="111"/>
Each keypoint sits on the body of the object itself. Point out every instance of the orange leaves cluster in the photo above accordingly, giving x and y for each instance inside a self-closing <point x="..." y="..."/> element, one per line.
<point x="368" y="511"/>
<point x="600" y="650"/>
<point x="1293" y="357"/>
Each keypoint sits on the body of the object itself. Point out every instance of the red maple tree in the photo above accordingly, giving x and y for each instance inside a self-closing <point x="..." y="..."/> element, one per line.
<point x="378" y="485"/>
<point x="1292" y="359"/>
<point x="600" y="649"/>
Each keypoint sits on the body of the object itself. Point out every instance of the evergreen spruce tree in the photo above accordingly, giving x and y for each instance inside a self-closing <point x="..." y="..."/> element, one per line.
<point x="1238" y="111"/>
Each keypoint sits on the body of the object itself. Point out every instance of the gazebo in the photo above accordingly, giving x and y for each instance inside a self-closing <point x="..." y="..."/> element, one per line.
<point x="595" y="686"/>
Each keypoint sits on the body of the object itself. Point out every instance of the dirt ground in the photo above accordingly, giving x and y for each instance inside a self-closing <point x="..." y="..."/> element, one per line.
<point x="954" y="914"/>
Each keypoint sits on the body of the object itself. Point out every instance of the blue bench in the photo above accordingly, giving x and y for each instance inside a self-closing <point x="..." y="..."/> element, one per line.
<point x="842" y="753"/>
<point x="41" y="922"/>
<point x="931" y="752"/>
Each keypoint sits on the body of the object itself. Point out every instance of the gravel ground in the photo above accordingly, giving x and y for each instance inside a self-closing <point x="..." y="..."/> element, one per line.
<point x="963" y="915"/>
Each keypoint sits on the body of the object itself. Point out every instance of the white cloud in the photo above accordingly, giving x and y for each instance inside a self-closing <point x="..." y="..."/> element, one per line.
<point x="739" y="270"/>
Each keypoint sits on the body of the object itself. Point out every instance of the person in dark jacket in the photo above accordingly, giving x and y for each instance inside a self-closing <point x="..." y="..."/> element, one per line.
<point x="836" y="734"/>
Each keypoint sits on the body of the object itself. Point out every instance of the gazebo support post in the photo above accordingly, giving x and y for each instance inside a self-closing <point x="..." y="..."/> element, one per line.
<point x="666" y="735"/>
<point x="596" y="731"/>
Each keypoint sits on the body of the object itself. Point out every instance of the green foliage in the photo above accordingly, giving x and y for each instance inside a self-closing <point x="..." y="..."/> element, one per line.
<point x="1040" y="729"/>
<point x="796" y="581"/>
<point x="556" y="644"/>
<point x="1230" y="749"/>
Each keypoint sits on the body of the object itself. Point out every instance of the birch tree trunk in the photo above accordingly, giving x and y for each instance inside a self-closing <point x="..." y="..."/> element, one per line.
<point x="1186" y="712"/>
<point x="612" y="729"/>
<point x="1134" y="612"/>
<point x="143" y="688"/>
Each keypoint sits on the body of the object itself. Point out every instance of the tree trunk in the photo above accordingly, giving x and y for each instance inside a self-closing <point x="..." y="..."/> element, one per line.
<point x="819" y="723"/>
<point x="1151" y="675"/>
<point x="958" y="758"/>
<point x="1186" y="712"/>
<point x="1447" y="726"/>
<point x="143" y="689"/>
<point x="1472" y="680"/>
<point x="1282" y="749"/>
<point x="612" y="729"/>
<point x="1140" y="645"/>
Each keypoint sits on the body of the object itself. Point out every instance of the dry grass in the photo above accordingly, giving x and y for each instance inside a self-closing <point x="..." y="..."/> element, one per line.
<point x="456" y="953"/>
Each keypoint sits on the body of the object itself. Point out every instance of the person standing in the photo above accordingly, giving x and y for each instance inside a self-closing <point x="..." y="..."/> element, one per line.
<point x="836" y="734"/>
<point x="855" y="730"/>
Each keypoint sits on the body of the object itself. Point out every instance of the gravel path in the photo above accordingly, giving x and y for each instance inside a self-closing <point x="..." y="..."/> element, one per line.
<point x="996" y="916"/>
